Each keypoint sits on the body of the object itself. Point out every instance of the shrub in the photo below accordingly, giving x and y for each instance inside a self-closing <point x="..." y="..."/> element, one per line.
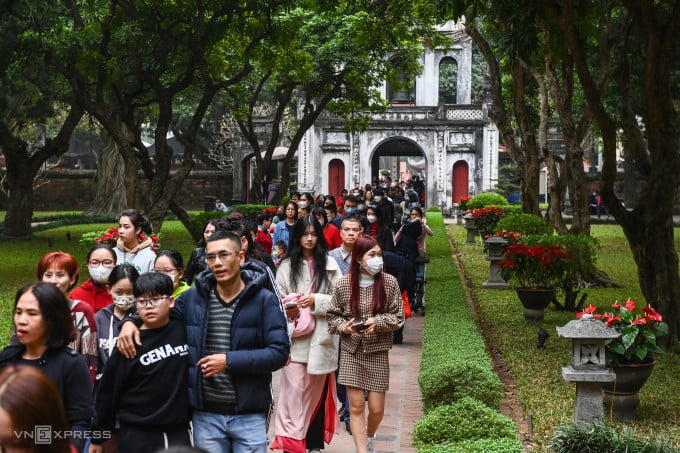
<point x="198" y="222"/>
<point x="523" y="224"/>
<point x="249" y="210"/>
<point x="600" y="437"/>
<point x="453" y="381"/>
<point x="468" y="419"/>
<point x="476" y="446"/>
<point x="483" y="200"/>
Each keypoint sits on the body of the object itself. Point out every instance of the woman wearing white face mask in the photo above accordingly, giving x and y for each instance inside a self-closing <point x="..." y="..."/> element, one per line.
<point x="101" y="260"/>
<point x="110" y="318"/>
<point x="379" y="230"/>
<point x="170" y="263"/>
<point x="365" y="309"/>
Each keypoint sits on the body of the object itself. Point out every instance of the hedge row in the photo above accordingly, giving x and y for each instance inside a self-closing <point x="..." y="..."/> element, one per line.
<point x="460" y="390"/>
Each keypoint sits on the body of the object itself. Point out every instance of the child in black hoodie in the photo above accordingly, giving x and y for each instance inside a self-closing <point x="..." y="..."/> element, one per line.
<point x="148" y="394"/>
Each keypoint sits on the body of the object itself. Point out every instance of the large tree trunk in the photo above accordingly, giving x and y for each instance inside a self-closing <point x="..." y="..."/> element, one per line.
<point x="529" y="190"/>
<point x="22" y="168"/>
<point x="20" y="203"/>
<point x="110" y="196"/>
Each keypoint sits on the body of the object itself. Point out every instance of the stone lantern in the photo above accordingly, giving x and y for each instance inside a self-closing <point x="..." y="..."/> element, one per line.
<point x="588" y="365"/>
<point x="470" y="227"/>
<point x="495" y="246"/>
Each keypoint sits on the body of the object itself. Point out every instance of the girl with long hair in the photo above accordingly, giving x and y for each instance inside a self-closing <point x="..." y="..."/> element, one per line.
<point x="365" y="309"/>
<point x="305" y="414"/>
<point x="134" y="243"/>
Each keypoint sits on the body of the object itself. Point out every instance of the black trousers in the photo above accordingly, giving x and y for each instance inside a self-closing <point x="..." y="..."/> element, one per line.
<point x="133" y="439"/>
<point x="315" y="431"/>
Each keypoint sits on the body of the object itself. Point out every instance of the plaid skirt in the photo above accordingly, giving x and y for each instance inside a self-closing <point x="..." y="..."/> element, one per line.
<point x="368" y="371"/>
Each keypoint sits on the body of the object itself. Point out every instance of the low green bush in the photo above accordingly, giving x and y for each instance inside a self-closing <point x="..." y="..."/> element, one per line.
<point x="199" y="221"/>
<point x="249" y="210"/>
<point x="600" y="437"/>
<point x="524" y="224"/>
<point x="468" y="419"/>
<point x="448" y="383"/>
<point x="56" y="221"/>
<point x="483" y="200"/>
<point x="476" y="446"/>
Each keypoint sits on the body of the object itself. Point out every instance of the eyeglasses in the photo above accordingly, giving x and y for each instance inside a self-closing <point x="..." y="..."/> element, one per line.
<point x="223" y="256"/>
<point x="167" y="270"/>
<point x="96" y="263"/>
<point x="154" y="302"/>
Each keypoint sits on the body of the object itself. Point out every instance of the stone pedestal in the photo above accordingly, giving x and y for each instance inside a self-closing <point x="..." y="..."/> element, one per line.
<point x="495" y="246"/>
<point x="588" y="403"/>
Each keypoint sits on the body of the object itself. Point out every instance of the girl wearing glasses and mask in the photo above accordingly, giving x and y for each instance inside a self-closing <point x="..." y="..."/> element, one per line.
<point x="365" y="309"/>
<point x="101" y="259"/>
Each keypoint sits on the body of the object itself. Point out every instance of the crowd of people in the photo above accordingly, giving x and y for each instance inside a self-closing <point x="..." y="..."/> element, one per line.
<point x="149" y="354"/>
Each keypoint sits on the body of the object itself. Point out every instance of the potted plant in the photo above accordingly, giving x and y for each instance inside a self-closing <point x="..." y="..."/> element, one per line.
<point x="631" y="356"/>
<point x="534" y="271"/>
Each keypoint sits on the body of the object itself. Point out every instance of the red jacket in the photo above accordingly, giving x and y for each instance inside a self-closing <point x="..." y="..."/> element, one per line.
<point x="332" y="235"/>
<point x="95" y="296"/>
<point x="264" y="239"/>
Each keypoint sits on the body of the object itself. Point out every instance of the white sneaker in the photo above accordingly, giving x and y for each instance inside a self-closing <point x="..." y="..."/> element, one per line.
<point x="371" y="444"/>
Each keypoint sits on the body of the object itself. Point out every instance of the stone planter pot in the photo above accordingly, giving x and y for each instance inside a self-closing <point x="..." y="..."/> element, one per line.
<point x="622" y="397"/>
<point x="535" y="301"/>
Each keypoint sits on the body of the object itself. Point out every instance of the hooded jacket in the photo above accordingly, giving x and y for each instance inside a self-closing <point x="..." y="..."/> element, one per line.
<point x="259" y="338"/>
<point x="95" y="296"/>
<point x="141" y="257"/>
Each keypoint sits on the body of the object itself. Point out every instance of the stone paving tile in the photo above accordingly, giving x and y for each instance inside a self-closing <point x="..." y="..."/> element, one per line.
<point x="402" y="402"/>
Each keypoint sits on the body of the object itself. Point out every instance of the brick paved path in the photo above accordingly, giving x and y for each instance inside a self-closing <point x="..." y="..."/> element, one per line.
<point x="402" y="402"/>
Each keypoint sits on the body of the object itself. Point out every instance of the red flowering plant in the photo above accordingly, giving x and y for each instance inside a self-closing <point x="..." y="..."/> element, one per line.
<point x="110" y="237"/>
<point x="534" y="266"/>
<point x="639" y="328"/>
<point x="486" y="219"/>
<point x="511" y="236"/>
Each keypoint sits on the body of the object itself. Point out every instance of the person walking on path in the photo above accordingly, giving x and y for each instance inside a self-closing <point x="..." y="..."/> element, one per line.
<point x="305" y="411"/>
<point x="237" y="337"/>
<point x="365" y="309"/>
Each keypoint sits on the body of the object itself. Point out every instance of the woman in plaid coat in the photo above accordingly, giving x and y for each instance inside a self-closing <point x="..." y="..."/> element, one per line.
<point x="365" y="309"/>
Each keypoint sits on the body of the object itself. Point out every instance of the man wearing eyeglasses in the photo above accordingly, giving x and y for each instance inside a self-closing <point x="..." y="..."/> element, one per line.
<point x="237" y="336"/>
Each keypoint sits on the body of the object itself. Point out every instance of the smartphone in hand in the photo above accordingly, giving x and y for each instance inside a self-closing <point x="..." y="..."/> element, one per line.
<point x="359" y="326"/>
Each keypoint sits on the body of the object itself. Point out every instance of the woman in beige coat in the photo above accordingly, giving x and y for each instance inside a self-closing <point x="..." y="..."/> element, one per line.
<point x="307" y="386"/>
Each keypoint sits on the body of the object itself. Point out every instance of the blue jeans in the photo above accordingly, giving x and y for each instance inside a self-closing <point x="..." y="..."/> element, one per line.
<point x="230" y="433"/>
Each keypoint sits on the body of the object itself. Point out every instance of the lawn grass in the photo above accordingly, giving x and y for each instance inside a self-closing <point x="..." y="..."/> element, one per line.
<point x="20" y="259"/>
<point x="542" y="392"/>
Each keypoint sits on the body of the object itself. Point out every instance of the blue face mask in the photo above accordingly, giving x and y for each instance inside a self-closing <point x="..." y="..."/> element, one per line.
<point x="350" y="210"/>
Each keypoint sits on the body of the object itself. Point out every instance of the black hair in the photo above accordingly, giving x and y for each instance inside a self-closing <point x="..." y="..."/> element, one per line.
<point x="282" y="245"/>
<point x="262" y="217"/>
<point x="56" y="313"/>
<point x="123" y="271"/>
<point x="106" y="247"/>
<point x="249" y="225"/>
<point x="332" y="208"/>
<point x="233" y="236"/>
<point x="292" y="203"/>
<point x="294" y="252"/>
<point x="138" y="220"/>
<point x="174" y="256"/>
<point x="153" y="283"/>
<point x="212" y="222"/>
<point x="319" y="211"/>
<point x="294" y="193"/>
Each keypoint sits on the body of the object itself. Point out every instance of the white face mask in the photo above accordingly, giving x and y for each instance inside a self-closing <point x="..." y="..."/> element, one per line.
<point x="371" y="218"/>
<point x="124" y="302"/>
<point x="377" y="198"/>
<point x="302" y="204"/>
<point x="373" y="265"/>
<point x="99" y="273"/>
